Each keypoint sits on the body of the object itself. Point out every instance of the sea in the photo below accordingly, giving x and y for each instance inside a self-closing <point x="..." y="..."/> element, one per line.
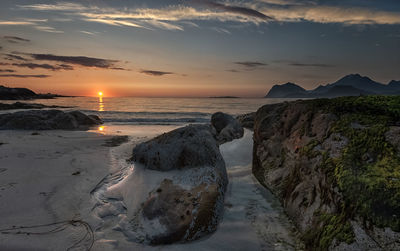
<point x="157" y="111"/>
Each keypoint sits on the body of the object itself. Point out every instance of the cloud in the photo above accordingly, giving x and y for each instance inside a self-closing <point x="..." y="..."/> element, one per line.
<point x="311" y="65"/>
<point x="221" y="30"/>
<point x="35" y="23"/>
<point x="88" y="32"/>
<point x="2" y="22"/>
<point x="238" y="10"/>
<point x="250" y="64"/>
<point x="155" y="73"/>
<point x="174" y="17"/>
<point x="47" y="29"/>
<point x="161" y="18"/>
<point x="164" y="25"/>
<point x="65" y="62"/>
<point x="6" y="70"/>
<point x="114" y="22"/>
<point x="301" y="64"/>
<point x="289" y="2"/>
<point x="44" y="66"/>
<point x="23" y="76"/>
<point x="80" y="60"/>
<point x="13" y="57"/>
<point x="233" y="70"/>
<point x="332" y="14"/>
<point x="60" y="6"/>
<point x="13" y="39"/>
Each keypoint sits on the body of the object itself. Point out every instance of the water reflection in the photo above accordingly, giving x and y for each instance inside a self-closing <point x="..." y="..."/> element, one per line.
<point x="101" y="104"/>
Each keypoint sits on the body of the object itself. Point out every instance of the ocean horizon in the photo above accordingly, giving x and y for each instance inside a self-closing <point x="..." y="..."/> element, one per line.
<point x="155" y="110"/>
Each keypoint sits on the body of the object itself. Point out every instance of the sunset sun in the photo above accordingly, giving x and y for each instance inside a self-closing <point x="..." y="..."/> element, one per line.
<point x="100" y="94"/>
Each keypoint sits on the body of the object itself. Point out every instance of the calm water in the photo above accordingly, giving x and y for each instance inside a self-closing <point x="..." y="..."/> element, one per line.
<point x="158" y="111"/>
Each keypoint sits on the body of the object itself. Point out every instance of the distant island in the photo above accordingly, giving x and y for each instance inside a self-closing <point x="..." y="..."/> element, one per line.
<point x="8" y="93"/>
<point x="224" y="97"/>
<point x="350" y="85"/>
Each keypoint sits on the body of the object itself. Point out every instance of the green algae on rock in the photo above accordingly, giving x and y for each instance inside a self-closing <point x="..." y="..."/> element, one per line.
<point x="335" y="166"/>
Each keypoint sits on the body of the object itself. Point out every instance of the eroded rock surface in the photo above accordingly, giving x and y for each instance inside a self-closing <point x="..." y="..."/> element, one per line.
<point x="186" y="214"/>
<point x="299" y="154"/>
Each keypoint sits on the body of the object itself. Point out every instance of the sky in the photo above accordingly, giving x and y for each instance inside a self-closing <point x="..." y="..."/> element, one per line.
<point x="194" y="48"/>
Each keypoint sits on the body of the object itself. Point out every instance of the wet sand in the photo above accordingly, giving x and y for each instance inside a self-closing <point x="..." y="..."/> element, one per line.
<point x="47" y="198"/>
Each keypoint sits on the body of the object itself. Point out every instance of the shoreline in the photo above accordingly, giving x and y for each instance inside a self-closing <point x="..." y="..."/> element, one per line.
<point x="49" y="176"/>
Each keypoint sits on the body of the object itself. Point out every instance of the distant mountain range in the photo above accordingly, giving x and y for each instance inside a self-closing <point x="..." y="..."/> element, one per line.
<point x="350" y="85"/>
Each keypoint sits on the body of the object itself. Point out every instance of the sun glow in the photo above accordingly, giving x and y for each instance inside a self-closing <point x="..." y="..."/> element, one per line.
<point x="100" y="94"/>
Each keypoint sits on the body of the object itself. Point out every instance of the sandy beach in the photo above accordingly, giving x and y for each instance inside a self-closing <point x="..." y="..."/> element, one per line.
<point x="48" y="179"/>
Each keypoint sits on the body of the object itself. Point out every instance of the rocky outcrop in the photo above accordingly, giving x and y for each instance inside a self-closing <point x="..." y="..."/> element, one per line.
<point x="47" y="120"/>
<point x="20" y="105"/>
<point x="247" y="120"/>
<point x="7" y="93"/>
<point x="190" y="205"/>
<point x="227" y="127"/>
<point x="335" y="180"/>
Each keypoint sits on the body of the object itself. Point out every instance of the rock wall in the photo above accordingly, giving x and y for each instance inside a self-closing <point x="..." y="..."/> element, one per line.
<point x="317" y="157"/>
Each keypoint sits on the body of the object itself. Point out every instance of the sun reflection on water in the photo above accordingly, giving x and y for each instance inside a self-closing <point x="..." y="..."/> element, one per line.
<point x="101" y="104"/>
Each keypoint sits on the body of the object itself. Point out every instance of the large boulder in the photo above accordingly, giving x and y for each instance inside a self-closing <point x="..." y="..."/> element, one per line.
<point x="334" y="165"/>
<point x="47" y="120"/>
<point x="227" y="127"/>
<point x="185" y="147"/>
<point x="191" y="205"/>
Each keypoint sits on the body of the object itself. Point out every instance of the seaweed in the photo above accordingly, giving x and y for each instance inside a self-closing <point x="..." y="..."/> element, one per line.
<point x="368" y="171"/>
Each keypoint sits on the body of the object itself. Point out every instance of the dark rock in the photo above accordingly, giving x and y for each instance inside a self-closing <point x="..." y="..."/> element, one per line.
<point x="193" y="211"/>
<point x="297" y="146"/>
<point x="186" y="214"/>
<point x="186" y="147"/>
<point x="20" y="105"/>
<point x="247" y="120"/>
<point x="47" y="120"/>
<point x="227" y="127"/>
